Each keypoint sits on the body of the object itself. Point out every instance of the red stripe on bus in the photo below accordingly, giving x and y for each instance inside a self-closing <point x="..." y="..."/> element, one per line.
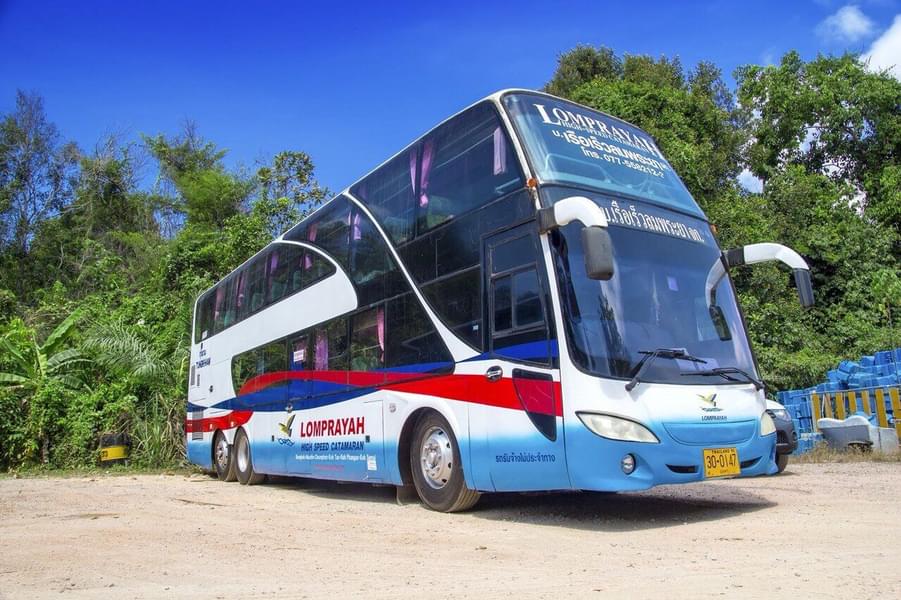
<point x="475" y="389"/>
<point x="236" y="418"/>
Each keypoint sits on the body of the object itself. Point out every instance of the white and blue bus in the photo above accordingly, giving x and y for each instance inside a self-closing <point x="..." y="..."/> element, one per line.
<point x="525" y="298"/>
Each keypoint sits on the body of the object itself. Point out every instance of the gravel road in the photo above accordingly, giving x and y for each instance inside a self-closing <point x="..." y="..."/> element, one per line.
<point x="830" y="530"/>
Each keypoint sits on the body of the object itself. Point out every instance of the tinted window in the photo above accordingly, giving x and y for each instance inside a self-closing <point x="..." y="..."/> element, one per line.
<point x="367" y="342"/>
<point x="503" y="310"/>
<point x="329" y="229"/>
<point x="372" y="268"/>
<point x="511" y="254"/>
<point x="465" y="163"/>
<point x="272" y="358"/>
<point x="526" y="299"/>
<point x="255" y="296"/>
<point x="411" y="340"/>
<point x="203" y="321"/>
<point x="285" y="261"/>
<point x="388" y="193"/>
<point x="330" y="346"/>
<point x="458" y="300"/>
<point x="519" y="329"/>
<point x="244" y="368"/>
<point x="300" y="354"/>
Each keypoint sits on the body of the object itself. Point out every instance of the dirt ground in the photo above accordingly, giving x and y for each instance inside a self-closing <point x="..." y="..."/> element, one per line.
<point x="830" y="530"/>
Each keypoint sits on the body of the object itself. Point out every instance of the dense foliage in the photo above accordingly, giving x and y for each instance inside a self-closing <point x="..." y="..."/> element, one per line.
<point x="98" y="272"/>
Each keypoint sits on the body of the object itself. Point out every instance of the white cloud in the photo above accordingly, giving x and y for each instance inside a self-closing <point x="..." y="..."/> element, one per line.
<point x="885" y="53"/>
<point x="848" y="24"/>
<point x="747" y="180"/>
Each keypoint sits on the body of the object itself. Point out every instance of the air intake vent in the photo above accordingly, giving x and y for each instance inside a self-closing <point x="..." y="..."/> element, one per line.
<point x="683" y="468"/>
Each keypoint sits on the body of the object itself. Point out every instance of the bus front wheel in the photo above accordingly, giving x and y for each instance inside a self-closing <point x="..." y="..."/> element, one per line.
<point x="223" y="460"/>
<point x="244" y="461"/>
<point x="436" y="467"/>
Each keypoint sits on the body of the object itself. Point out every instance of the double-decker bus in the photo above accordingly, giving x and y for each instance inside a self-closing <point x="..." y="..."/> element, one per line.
<point x="525" y="298"/>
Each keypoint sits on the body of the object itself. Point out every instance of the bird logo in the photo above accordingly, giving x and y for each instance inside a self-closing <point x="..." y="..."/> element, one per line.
<point x="286" y="426"/>
<point x="708" y="403"/>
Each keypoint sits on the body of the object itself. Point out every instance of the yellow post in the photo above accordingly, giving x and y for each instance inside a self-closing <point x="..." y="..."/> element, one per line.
<point x="880" y="408"/>
<point x="827" y="406"/>
<point x="865" y="396"/>
<point x="896" y="409"/>
<point x="814" y="410"/>
<point x="852" y="402"/>
<point x="840" y="405"/>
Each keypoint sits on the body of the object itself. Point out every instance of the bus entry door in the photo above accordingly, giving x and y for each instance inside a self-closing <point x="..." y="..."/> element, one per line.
<point x="526" y="442"/>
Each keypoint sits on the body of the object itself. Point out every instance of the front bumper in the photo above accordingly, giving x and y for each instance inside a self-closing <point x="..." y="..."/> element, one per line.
<point x="594" y="462"/>
<point x="786" y="436"/>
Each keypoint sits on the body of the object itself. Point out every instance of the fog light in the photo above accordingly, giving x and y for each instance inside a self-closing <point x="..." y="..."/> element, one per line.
<point x="628" y="464"/>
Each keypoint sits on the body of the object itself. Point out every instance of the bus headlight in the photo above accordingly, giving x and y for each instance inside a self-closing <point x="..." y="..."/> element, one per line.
<point x="767" y="426"/>
<point x="617" y="428"/>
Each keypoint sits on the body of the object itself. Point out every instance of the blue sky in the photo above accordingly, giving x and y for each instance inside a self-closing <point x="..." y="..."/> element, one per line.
<point x="352" y="82"/>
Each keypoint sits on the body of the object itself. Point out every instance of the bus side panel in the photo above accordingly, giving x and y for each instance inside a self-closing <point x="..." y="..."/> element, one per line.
<point x="341" y="440"/>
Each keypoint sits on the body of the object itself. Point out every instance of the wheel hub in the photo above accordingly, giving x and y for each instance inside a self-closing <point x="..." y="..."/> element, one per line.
<point x="222" y="453"/>
<point x="436" y="458"/>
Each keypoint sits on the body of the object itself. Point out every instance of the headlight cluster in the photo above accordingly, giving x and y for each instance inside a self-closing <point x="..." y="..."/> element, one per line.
<point x="767" y="426"/>
<point x="617" y="428"/>
<point x="779" y="413"/>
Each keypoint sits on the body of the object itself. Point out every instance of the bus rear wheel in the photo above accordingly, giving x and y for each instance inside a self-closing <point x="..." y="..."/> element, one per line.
<point x="436" y="466"/>
<point x="223" y="460"/>
<point x="244" y="461"/>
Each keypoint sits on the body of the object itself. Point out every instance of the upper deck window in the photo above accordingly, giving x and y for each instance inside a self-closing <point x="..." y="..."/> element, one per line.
<point x="571" y="144"/>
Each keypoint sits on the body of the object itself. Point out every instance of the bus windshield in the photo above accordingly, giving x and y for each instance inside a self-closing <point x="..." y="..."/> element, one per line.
<point x="656" y="299"/>
<point x="571" y="144"/>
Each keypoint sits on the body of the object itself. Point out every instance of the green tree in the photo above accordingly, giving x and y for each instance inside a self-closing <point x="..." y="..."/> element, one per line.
<point x="833" y="117"/>
<point x="36" y="177"/>
<point x="192" y="168"/>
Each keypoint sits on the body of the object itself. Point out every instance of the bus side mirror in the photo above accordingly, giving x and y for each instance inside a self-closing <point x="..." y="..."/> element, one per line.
<point x="597" y="247"/>
<point x="757" y="253"/>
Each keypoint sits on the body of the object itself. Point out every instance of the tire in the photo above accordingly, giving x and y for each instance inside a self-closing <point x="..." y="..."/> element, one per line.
<point x="781" y="461"/>
<point x="223" y="458"/>
<point x="436" y="466"/>
<point x="244" y="461"/>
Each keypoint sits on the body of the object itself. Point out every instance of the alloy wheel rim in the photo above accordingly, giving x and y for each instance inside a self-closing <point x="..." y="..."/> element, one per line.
<point x="436" y="458"/>
<point x="222" y="453"/>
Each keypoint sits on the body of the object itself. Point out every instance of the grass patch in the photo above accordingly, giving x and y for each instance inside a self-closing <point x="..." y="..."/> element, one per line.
<point x="112" y="471"/>
<point x="822" y="453"/>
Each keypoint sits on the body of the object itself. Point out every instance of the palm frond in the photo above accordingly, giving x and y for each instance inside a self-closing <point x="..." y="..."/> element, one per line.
<point x="119" y="347"/>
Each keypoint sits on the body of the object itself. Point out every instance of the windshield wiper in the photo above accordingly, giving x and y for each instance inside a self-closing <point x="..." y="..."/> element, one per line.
<point x="727" y="372"/>
<point x="651" y="355"/>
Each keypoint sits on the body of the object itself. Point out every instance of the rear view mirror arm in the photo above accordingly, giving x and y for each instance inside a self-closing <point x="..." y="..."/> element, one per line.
<point x="758" y="253"/>
<point x="596" y="243"/>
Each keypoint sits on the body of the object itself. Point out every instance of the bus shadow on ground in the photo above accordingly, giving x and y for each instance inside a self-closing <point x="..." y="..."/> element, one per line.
<point x="665" y="506"/>
<point x="627" y="511"/>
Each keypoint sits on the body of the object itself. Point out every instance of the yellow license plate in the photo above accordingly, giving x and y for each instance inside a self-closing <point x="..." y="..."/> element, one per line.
<point x="721" y="462"/>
